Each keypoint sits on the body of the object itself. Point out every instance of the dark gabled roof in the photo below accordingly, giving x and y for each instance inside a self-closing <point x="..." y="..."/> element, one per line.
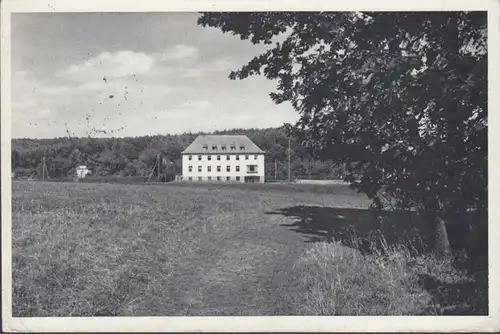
<point x="212" y="144"/>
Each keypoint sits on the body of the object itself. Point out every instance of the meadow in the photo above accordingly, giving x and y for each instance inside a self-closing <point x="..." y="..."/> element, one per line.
<point x="89" y="249"/>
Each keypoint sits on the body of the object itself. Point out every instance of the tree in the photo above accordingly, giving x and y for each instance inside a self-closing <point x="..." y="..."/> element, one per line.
<point x="399" y="96"/>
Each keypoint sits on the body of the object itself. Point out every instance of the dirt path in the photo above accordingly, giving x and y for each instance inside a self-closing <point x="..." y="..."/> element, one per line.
<point x="239" y="272"/>
<point x="241" y="263"/>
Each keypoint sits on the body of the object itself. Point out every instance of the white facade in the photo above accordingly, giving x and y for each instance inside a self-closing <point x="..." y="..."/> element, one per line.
<point x="228" y="167"/>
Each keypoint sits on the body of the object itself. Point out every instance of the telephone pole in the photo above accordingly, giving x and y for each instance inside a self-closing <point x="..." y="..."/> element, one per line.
<point x="153" y="169"/>
<point x="289" y="165"/>
<point x="159" y="165"/>
<point x="275" y="169"/>
<point x="310" y="169"/>
<point x="43" y="169"/>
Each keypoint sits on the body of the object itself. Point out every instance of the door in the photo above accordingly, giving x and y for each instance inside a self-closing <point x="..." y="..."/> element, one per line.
<point x="252" y="179"/>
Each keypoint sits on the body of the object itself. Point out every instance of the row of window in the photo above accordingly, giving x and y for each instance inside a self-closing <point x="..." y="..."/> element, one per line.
<point x="223" y="147"/>
<point x="251" y="168"/>
<point x="218" y="178"/>
<point x="228" y="157"/>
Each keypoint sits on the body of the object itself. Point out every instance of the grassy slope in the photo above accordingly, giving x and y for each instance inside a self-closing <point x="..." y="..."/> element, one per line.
<point x="91" y="249"/>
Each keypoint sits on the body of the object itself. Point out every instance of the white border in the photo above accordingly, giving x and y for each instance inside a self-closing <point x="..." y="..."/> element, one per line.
<point x="26" y="6"/>
<point x="251" y="324"/>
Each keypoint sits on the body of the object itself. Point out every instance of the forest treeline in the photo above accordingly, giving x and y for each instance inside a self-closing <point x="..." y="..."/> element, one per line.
<point x="136" y="156"/>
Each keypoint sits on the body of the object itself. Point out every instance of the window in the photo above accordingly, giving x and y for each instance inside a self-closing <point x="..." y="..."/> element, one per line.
<point x="209" y="178"/>
<point x="209" y="168"/>
<point x="228" y="157"/>
<point x="223" y="147"/>
<point x="228" y="178"/>
<point x="237" y="157"/>
<point x="205" y="146"/>
<point x="228" y="168"/>
<point x="214" y="147"/>
<point x="237" y="178"/>
<point x="209" y="157"/>
<point x="255" y="157"/>
<point x="199" y="168"/>
<point x="242" y="147"/>
<point x="233" y="147"/>
<point x="252" y="169"/>
<point x="218" y="168"/>
<point x="246" y="157"/>
<point x="200" y="178"/>
<point x="190" y="178"/>
<point x="199" y="157"/>
<point x="218" y="157"/>
<point x="190" y="157"/>
<point x="237" y="168"/>
<point x="218" y="178"/>
<point x="190" y="168"/>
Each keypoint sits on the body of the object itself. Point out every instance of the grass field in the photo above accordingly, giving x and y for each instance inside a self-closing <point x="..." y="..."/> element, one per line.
<point x="83" y="249"/>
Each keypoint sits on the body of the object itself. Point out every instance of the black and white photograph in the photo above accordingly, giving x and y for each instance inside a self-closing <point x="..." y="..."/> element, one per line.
<point x="237" y="164"/>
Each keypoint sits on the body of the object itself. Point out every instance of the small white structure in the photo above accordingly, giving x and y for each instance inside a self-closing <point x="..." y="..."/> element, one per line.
<point x="223" y="158"/>
<point x="82" y="172"/>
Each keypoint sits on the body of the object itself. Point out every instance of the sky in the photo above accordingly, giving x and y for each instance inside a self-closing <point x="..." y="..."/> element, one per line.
<point x="132" y="74"/>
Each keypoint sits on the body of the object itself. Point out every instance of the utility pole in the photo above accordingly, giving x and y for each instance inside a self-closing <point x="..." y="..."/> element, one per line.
<point x="159" y="165"/>
<point x="165" y="168"/>
<point x="310" y="168"/>
<point x="289" y="165"/>
<point x="275" y="169"/>
<point x="47" y="172"/>
<point x="153" y="169"/>
<point x="43" y="169"/>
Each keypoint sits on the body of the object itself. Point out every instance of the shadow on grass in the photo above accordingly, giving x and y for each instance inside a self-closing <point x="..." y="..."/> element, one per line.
<point x="361" y="229"/>
<point x="356" y="228"/>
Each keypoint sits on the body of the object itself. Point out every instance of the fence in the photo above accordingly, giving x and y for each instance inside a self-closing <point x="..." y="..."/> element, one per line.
<point x="322" y="182"/>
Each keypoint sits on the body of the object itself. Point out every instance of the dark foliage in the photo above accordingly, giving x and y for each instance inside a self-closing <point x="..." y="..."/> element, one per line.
<point x="402" y="96"/>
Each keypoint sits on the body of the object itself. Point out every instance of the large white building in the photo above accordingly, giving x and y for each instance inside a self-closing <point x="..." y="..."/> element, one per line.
<point x="223" y="158"/>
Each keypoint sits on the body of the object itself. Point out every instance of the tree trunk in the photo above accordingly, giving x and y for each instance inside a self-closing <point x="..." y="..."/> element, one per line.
<point x="442" y="247"/>
<point x="439" y="242"/>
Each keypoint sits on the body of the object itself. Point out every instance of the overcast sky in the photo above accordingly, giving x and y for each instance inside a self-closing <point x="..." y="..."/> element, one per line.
<point x="148" y="73"/>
